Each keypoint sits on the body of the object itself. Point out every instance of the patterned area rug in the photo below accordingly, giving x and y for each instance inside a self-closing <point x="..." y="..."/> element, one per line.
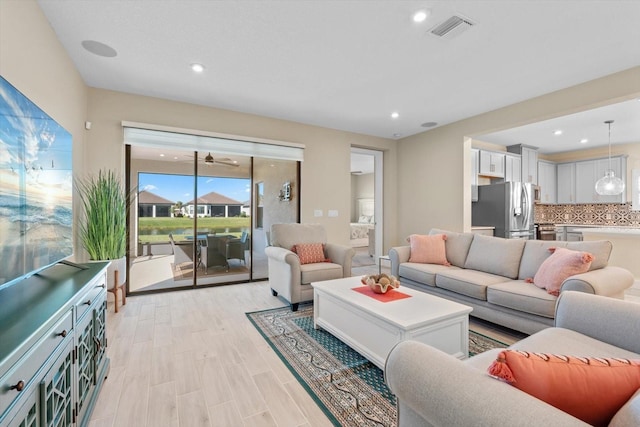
<point x="349" y="389"/>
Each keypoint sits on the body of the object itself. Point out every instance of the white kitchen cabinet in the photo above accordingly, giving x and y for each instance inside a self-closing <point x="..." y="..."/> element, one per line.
<point x="529" y="165"/>
<point x="586" y="181"/>
<point x="577" y="180"/>
<point x="512" y="168"/>
<point x="589" y="171"/>
<point x="529" y="162"/>
<point x="547" y="180"/>
<point x="566" y="174"/>
<point x="492" y="163"/>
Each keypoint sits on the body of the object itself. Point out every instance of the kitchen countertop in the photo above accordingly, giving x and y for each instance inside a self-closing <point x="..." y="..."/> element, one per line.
<point x="610" y="230"/>
<point x="482" y="227"/>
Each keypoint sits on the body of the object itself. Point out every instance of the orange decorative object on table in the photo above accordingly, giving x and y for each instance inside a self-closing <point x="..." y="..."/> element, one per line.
<point x="380" y="283"/>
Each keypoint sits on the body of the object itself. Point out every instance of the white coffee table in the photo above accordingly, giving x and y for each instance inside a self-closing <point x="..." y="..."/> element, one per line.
<point x="372" y="327"/>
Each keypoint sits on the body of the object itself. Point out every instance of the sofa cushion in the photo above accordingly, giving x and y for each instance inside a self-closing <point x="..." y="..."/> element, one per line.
<point x="559" y="266"/>
<point x="319" y="272"/>
<point x="456" y="246"/>
<point x="495" y="255"/>
<point x="534" y="254"/>
<point x="423" y="273"/>
<point x="428" y="249"/>
<point x="592" y="389"/>
<point x="629" y="414"/>
<point x="472" y="283"/>
<point x="309" y="253"/>
<point x="522" y="296"/>
<point x="600" y="249"/>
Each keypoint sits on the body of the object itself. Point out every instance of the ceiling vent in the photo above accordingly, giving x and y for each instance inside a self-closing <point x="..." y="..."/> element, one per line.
<point x="452" y="27"/>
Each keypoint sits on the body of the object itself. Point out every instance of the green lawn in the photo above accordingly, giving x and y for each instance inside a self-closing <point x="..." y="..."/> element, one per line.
<point x="152" y="230"/>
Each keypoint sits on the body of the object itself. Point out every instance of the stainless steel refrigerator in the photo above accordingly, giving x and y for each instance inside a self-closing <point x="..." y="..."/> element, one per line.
<point x="508" y="207"/>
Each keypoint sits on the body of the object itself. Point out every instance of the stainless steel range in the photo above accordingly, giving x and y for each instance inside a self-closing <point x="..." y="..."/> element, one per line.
<point x="546" y="232"/>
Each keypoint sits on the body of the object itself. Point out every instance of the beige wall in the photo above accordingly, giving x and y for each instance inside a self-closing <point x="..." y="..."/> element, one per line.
<point x="434" y="180"/>
<point x="325" y="172"/>
<point x="362" y="187"/>
<point x="32" y="60"/>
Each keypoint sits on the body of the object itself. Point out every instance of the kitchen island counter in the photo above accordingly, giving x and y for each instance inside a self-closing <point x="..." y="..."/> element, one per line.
<point x="626" y="246"/>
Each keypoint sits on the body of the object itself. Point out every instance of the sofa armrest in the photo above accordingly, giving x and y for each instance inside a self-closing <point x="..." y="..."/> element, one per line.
<point x="609" y="320"/>
<point x="340" y="254"/>
<point x="444" y="391"/>
<point x="608" y="281"/>
<point x="397" y="256"/>
<point x="281" y="254"/>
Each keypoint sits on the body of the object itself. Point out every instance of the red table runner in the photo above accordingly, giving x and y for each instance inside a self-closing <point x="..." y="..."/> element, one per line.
<point x="391" y="295"/>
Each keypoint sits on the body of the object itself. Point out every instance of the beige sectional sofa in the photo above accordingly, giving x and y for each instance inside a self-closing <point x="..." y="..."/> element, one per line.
<point x="488" y="274"/>
<point x="436" y="389"/>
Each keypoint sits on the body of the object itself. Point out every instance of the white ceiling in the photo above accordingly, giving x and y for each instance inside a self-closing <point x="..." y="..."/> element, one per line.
<point x="575" y="127"/>
<point x="348" y="64"/>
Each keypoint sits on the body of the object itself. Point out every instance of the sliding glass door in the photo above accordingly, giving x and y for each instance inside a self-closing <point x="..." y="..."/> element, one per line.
<point x="201" y="219"/>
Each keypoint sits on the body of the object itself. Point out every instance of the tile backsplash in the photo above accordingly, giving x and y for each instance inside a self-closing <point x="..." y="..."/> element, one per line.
<point x="614" y="214"/>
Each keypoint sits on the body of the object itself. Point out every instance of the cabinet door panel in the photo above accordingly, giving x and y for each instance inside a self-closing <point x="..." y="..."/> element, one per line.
<point x="85" y="363"/>
<point x="491" y="164"/>
<point x="56" y="391"/>
<point x="566" y="183"/>
<point x="100" y="336"/>
<point x="586" y="181"/>
<point x="547" y="180"/>
<point x="29" y="414"/>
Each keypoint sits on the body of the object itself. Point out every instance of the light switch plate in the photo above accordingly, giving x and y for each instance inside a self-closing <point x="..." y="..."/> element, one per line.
<point x="333" y="213"/>
<point x="317" y="213"/>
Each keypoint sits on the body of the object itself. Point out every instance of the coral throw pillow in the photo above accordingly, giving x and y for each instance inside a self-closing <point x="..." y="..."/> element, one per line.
<point x="589" y="388"/>
<point x="310" y="253"/>
<point x="558" y="267"/>
<point x="428" y="249"/>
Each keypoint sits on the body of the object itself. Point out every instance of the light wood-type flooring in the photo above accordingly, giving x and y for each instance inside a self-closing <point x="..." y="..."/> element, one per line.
<point x="192" y="358"/>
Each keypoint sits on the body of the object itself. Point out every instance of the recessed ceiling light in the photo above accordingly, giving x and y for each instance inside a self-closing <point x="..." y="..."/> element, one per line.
<point x="161" y="155"/>
<point x="198" y="68"/>
<point x="395" y="115"/>
<point x="557" y="132"/>
<point x="584" y="141"/>
<point x="420" y="16"/>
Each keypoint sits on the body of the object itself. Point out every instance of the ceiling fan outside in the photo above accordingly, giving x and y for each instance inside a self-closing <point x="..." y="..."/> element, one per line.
<point x="210" y="160"/>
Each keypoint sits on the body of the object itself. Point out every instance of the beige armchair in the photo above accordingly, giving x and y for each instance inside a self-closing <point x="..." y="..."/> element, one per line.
<point x="292" y="280"/>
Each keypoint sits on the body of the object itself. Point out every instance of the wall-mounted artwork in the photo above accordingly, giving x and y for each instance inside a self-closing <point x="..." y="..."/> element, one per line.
<point x="35" y="188"/>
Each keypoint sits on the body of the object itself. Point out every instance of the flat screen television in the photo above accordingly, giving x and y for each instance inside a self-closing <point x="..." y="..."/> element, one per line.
<point x="36" y="188"/>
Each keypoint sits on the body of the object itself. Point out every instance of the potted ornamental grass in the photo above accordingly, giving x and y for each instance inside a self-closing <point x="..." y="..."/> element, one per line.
<point x="103" y="227"/>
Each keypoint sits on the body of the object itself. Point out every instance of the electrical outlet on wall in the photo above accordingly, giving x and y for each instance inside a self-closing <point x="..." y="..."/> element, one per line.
<point x="317" y="213"/>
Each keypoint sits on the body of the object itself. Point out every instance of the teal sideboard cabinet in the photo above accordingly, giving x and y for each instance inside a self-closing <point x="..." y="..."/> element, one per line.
<point x="53" y="342"/>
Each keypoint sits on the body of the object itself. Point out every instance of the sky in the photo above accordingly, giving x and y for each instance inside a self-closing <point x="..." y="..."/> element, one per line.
<point x="34" y="149"/>
<point x="180" y="187"/>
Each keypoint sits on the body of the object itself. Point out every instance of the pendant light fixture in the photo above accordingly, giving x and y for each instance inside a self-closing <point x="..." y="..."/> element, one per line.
<point x="609" y="184"/>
